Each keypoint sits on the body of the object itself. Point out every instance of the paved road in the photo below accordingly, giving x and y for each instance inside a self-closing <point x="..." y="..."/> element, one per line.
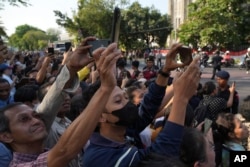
<point x="239" y="76"/>
<point x="242" y="79"/>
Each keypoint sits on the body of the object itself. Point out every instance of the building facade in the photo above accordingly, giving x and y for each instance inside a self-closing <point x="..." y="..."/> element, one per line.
<point x="178" y="11"/>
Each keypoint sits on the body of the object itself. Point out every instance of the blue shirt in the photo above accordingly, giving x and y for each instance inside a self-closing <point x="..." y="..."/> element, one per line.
<point x="4" y="103"/>
<point x="110" y="153"/>
<point x="5" y="156"/>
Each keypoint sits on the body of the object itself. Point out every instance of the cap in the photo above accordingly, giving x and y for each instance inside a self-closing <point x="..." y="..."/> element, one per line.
<point x="223" y="74"/>
<point x="4" y="67"/>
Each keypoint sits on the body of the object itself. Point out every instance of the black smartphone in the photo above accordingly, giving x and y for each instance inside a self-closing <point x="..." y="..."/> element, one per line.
<point x="116" y="25"/>
<point x="97" y="44"/>
<point x="67" y="46"/>
<point x="185" y="53"/>
<point x="51" y="50"/>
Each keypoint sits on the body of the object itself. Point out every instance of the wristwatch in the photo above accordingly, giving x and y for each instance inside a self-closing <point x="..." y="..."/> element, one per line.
<point x="164" y="74"/>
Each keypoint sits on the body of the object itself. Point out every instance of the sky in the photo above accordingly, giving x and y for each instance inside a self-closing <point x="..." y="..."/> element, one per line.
<point x="40" y="14"/>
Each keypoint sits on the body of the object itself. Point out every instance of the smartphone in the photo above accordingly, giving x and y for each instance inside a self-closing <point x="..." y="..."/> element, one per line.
<point x="185" y="53"/>
<point x="51" y="50"/>
<point x="97" y="44"/>
<point x="116" y="25"/>
<point x="206" y="126"/>
<point x="67" y="46"/>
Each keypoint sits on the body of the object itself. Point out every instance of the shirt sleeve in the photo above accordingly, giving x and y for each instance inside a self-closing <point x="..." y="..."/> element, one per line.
<point x="55" y="96"/>
<point x="168" y="141"/>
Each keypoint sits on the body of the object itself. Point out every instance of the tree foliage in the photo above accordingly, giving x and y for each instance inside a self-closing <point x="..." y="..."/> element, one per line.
<point x="27" y="37"/>
<point x="216" y="23"/>
<point x="139" y="26"/>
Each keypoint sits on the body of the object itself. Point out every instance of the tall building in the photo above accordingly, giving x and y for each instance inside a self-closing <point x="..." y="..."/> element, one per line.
<point x="178" y="11"/>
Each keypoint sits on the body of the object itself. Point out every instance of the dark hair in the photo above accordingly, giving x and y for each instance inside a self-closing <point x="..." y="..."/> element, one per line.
<point x="137" y="84"/>
<point x="26" y="93"/>
<point x="130" y="82"/>
<point x="2" y="80"/>
<point x="43" y="90"/>
<point x="156" y="160"/>
<point x="221" y="128"/>
<point x="245" y="108"/>
<point x="87" y="94"/>
<point x="135" y="63"/>
<point x="76" y="107"/>
<point x="130" y="91"/>
<point x="4" y="121"/>
<point x="225" y="125"/>
<point x="193" y="147"/>
<point x="209" y="87"/>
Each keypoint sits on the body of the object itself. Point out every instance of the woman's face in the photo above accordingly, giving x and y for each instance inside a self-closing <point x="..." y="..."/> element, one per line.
<point x="240" y="131"/>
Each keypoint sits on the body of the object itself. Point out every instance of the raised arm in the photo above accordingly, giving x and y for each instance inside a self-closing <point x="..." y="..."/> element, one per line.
<point x="231" y="97"/>
<point x="77" y="134"/>
<point x="43" y="70"/>
<point x="67" y="80"/>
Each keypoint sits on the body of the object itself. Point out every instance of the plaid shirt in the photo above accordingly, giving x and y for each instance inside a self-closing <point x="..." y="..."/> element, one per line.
<point x="29" y="160"/>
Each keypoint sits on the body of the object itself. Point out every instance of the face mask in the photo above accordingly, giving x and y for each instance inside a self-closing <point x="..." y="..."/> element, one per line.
<point x="127" y="115"/>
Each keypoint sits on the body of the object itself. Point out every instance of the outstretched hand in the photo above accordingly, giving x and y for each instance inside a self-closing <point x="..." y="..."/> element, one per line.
<point x="106" y="59"/>
<point x="232" y="88"/>
<point x="186" y="83"/>
<point x="171" y="63"/>
<point x="80" y="57"/>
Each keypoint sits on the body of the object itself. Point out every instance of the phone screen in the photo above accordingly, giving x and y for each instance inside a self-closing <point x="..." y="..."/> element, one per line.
<point x="97" y="44"/>
<point x="116" y="25"/>
<point x="67" y="46"/>
<point x="185" y="54"/>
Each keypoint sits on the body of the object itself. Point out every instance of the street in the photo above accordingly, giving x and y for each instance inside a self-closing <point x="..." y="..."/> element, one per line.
<point x="239" y="76"/>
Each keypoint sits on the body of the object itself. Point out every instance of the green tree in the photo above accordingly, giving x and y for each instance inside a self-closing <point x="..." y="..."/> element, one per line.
<point x="28" y="37"/>
<point x="217" y="23"/>
<point x="53" y="34"/>
<point x="144" y="24"/>
<point x="138" y="25"/>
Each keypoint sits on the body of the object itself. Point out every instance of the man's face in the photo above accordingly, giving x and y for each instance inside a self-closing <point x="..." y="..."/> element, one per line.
<point x="65" y="108"/>
<point x="221" y="82"/>
<point x="4" y="90"/>
<point x="150" y="64"/>
<point x="25" y="125"/>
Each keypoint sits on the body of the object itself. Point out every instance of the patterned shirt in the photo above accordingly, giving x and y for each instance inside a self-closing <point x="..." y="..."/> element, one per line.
<point x="29" y="160"/>
<point x="215" y="105"/>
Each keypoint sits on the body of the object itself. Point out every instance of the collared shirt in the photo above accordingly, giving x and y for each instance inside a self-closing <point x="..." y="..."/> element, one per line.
<point x="57" y="129"/>
<point x="29" y="160"/>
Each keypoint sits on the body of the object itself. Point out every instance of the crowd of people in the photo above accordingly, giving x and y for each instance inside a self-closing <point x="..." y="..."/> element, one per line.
<point x="75" y="110"/>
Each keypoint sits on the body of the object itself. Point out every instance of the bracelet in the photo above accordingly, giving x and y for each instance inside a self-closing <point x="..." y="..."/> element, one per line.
<point x="164" y="74"/>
